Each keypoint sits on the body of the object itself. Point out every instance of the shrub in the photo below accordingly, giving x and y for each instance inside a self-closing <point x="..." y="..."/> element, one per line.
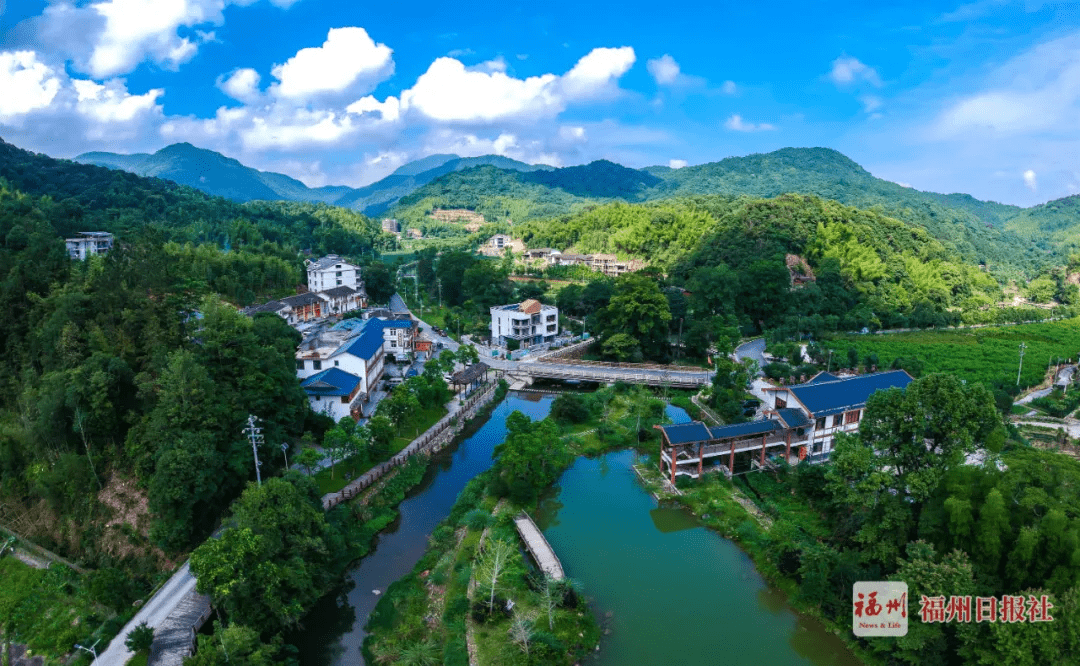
<point x="140" y="639"/>
<point x="477" y="519"/>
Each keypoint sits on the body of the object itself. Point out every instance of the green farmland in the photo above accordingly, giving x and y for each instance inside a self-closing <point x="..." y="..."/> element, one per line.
<point x="987" y="355"/>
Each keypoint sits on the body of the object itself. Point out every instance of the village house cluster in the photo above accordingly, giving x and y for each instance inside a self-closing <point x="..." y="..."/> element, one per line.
<point x="340" y="361"/>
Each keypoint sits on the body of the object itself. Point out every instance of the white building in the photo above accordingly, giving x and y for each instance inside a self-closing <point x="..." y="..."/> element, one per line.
<point x="529" y="322"/>
<point x="89" y="243"/>
<point x="499" y="241"/>
<point x="332" y="392"/>
<point x="332" y="271"/>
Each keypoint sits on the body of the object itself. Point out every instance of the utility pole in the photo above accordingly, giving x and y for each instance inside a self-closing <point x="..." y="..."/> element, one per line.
<point x="285" y="450"/>
<point x="828" y="368"/>
<point x="680" y="335"/>
<point x="1023" y="346"/>
<point x="254" y="434"/>
<point x="438" y="281"/>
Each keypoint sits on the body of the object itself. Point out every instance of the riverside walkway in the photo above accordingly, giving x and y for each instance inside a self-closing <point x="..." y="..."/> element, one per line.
<point x="538" y="546"/>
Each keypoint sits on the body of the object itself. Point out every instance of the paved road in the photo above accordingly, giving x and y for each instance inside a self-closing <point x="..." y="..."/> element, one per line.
<point x="1034" y="395"/>
<point x="153" y="613"/>
<point x="1071" y="426"/>
<point x="755" y="349"/>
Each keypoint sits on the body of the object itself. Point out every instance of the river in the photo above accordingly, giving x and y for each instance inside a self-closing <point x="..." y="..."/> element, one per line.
<point x="677" y="592"/>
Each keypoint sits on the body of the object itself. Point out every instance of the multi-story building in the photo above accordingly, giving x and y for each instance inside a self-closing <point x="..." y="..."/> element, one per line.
<point x="804" y="418"/>
<point x="529" y="323"/>
<point x="89" y="243"/>
<point x="332" y="271"/>
<point x="391" y="226"/>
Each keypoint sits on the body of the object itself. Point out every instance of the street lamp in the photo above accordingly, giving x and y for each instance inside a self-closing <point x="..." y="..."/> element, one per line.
<point x="92" y="649"/>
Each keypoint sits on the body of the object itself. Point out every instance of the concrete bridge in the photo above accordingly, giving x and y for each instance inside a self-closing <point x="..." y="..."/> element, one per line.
<point x="608" y="373"/>
<point x="538" y="546"/>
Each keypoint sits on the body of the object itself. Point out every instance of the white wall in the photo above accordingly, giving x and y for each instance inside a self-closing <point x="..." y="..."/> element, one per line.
<point x="332" y="406"/>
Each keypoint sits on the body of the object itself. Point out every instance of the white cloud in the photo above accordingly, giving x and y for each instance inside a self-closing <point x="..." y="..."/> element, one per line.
<point x="973" y="10"/>
<point x="389" y="110"/>
<point x="243" y="85"/>
<point x="348" y="61"/>
<point x="666" y="72"/>
<point x="664" y="69"/>
<point x="489" y="66"/>
<point x="111" y="102"/>
<point x="1030" y="180"/>
<point x="735" y="122"/>
<point x="677" y="164"/>
<point x="28" y="83"/>
<point x="871" y="103"/>
<point x="112" y="37"/>
<point x="1037" y="91"/>
<point x="451" y="92"/>
<point x="847" y="70"/>
<point x="593" y="76"/>
<point x="729" y="88"/>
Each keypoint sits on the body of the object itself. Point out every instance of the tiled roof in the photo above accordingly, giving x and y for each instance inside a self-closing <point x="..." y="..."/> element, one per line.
<point x="743" y="429"/>
<point x="366" y="345"/>
<point x="793" y="418"/>
<point x="328" y="261"/>
<point x="684" y="433"/>
<point x="839" y="395"/>
<point x="300" y="300"/>
<point x="272" y="306"/>
<point x="530" y="306"/>
<point x="332" y="381"/>
<point x="339" y="292"/>
<point x="823" y="377"/>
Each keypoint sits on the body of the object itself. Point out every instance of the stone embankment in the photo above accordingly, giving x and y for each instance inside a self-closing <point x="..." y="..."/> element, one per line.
<point x="432" y="440"/>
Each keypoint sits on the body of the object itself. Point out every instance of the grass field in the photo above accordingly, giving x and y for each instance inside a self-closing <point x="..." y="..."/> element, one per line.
<point x="987" y="355"/>
<point x="342" y="473"/>
<point x="47" y="609"/>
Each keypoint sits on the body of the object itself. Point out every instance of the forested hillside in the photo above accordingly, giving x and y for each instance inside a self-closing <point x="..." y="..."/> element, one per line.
<point x="76" y="197"/>
<point x="128" y="377"/>
<point x="222" y="176"/>
<point x="1054" y="224"/>
<point x="971" y="228"/>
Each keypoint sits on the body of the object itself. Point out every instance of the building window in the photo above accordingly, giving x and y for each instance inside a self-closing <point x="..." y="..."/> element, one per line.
<point x="837" y="420"/>
<point x="339" y="283"/>
<point x="336" y="364"/>
<point x="820" y="423"/>
<point x="393" y="343"/>
<point x="853" y="417"/>
<point x="318" y="398"/>
<point x="317" y="365"/>
<point x="345" y="399"/>
<point x="299" y="365"/>
<point x="780" y="402"/>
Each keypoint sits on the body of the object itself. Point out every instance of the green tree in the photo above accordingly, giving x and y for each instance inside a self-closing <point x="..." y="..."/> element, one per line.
<point x="275" y="559"/>
<point x="908" y="440"/>
<point x="640" y="310"/>
<point x="236" y="645"/>
<point x="378" y="282"/>
<point x="530" y="457"/>
<point x="140" y="638"/>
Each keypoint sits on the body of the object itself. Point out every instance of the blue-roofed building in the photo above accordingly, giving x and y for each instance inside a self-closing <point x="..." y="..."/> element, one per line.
<point x="332" y="392"/>
<point x="801" y="423"/>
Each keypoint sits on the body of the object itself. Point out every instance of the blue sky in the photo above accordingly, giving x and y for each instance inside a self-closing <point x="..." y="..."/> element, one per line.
<point x="980" y="97"/>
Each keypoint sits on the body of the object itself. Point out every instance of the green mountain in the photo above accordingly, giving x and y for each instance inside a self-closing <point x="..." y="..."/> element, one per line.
<point x="216" y="174"/>
<point x="1054" y="224"/>
<point x="976" y="230"/>
<point x="376" y="198"/>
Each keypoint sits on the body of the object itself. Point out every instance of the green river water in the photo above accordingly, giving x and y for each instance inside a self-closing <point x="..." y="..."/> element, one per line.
<point x="677" y="593"/>
<point x="669" y="590"/>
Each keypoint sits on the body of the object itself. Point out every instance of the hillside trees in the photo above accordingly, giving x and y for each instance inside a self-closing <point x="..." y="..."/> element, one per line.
<point x="274" y="559"/>
<point x="907" y="443"/>
<point x="637" y="312"/>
